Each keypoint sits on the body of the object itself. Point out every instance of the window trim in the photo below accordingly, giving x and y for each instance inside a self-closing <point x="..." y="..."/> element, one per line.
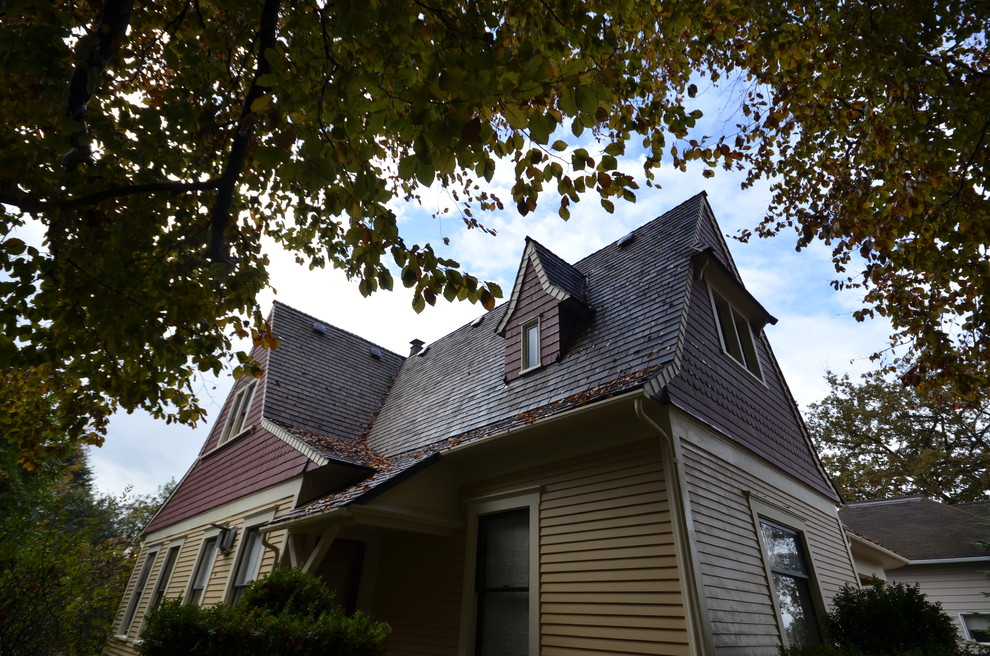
<point x="524" y="345"/>
<point x="745" y="343"/>
<point x="528" y="499"/>
<point x="965" y="627"/>
<point x="764" y="510"/>
<point x="205" y="560"/>
<point x="137" y="594"/>
<point x="237" y="413"/>
<point x="165" y="575"/>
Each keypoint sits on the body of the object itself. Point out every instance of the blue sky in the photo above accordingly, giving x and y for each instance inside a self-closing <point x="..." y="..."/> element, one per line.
<point x="815" y="331"/>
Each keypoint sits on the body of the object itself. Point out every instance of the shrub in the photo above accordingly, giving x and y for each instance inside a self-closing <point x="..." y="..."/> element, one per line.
<point x="286" y="613"/>
<point x="885" y="620"/>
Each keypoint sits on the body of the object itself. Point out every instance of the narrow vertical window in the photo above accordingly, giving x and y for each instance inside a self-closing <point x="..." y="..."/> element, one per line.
<point x="531" y="345"/>
<point x="162" y="585"/>
<point x="736" y="335"/>
<point x="247" y="564"/>
<point x="238" y="412"/>
<point x="201" y="575"/>
<point x="791" y="581"/>
<point x="142" y="582"/>
<point x="502" y="584"/>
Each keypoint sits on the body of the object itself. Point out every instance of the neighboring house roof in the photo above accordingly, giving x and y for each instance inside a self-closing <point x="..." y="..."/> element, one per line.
<point x="921" y="529"/>
<point x="648" y="311"/>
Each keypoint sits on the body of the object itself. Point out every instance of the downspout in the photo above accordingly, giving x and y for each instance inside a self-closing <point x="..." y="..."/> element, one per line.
<point x="271" y="547"/>
<point x="698" y="636"/>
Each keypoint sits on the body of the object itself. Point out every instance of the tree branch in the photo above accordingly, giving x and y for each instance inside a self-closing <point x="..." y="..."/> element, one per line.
<point x="220" y="215"/>
<point x="150" y="188"/>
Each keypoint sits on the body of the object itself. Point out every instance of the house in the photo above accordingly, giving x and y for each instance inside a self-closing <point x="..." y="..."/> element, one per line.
<point x="935" y="546"/>
<point x="608" y="462"/>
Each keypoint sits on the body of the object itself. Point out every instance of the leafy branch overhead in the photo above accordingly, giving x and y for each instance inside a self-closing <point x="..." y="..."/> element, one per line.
<point x="155" y="144"/>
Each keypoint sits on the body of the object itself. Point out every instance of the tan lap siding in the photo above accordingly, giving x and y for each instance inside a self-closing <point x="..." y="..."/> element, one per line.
<point x="740" y="606"/>
<point x="188" y="554"/>
<point x="608" y="575"/>
<point x="419" y="592"/>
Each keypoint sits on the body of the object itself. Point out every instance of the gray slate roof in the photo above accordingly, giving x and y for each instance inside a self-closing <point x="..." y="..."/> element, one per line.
<point x="324" y="382"/>
<point x="458" y="386"/>
<point x="921" y="529"/>
<point x="638" y="294"/>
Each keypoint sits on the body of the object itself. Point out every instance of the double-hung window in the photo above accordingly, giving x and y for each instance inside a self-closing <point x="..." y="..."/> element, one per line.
<point x="502" y="584"/>
<point x="140" y="585"/>
<point x="248" y="563"/>
<point x="531" y="344"/>
<point x="201" y="575"/>
<point x="238" y="412"/>
<point x="501" y="603"/>
<point x="163" y="577"/>
<point x="791" y="579"/>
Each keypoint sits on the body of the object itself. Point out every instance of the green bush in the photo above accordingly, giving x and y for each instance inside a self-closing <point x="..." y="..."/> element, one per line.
<point x="885" y="620"/>
<point x="286" y="613"/>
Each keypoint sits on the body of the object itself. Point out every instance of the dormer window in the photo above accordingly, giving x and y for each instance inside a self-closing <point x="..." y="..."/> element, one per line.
<point x="736" y="334"/>
<point x="531" y="344"/>
<point x="238" y="412"/>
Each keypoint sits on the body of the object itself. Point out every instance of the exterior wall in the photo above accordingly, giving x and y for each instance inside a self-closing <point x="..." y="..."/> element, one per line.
<point x="959" y="587"/>
<point x="190" y="534"/>
<point x="720" y="480"/>
<point x="608" y="576"/>
<point x="533" y="302"/>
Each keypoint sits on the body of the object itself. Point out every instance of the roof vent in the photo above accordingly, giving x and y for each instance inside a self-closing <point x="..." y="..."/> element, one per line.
<point x="477" y="322"/>
<point x="628" y="239"/>
<point x="319" y="328"/>
<point x="416" y="346"/>
<point x="376" y="353"/>
<point x="424" y="351"/>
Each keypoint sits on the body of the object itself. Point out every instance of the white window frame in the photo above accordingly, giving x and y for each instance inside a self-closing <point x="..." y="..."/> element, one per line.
<point x="252" y="521"/>
<point x="765" y="510"/>
<point x="160" y="589"/>
<point x="966" y="630"/>
<point x="140" y="586"/>
<point x="205" y="560"/>
<point x="739" y="346"/>
<point x="240" y="407"/>
<point x="528" y="499"/>
<point x="526" y="356"/>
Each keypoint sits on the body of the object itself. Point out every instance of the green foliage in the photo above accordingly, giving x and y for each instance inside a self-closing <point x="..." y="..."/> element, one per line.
<point x="878" y="438"/>
<point x="153" y="145"/>
<point x="885" y="620"/>
<point x="62" y="570"/>
<point x="286" y="613"/>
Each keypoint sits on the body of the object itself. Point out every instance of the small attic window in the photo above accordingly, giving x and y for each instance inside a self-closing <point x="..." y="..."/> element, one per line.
<point x="531" y="344"/>
<point x="736" y="334"/>
<point x="238" y="412"/>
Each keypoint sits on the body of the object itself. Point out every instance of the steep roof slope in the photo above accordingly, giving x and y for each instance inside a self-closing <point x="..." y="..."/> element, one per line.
<point x="457" y="385"/>
<point x="324" y="379"/>
<point x="921" y="529"/>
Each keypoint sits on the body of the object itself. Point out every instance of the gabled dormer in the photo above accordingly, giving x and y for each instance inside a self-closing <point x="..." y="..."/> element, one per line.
<point x="544" y="313"/>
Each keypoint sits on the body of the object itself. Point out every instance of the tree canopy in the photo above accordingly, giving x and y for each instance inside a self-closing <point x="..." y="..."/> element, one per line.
<point x="154" y="144"/>
<point x="878" y="438"/>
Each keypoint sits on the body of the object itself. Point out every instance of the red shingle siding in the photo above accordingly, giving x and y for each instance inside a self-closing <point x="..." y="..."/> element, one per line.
<point x="716" y="389"/>
<point x="533" y="302"/>
<point x="243" y="465"/>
